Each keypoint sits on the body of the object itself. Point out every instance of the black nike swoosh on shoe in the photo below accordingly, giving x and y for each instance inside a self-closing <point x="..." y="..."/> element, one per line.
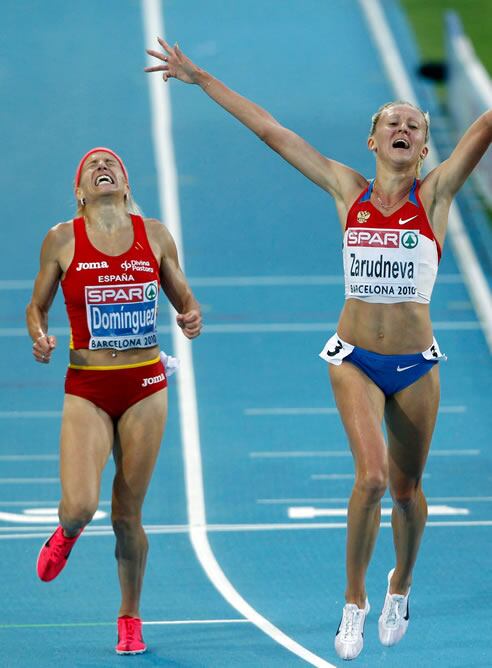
<point x="407" y="616"/>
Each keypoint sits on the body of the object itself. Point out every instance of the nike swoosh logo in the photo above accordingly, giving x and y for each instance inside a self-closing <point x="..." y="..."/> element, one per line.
<point x="404" y="368"/>
<point x="407" y="220"/>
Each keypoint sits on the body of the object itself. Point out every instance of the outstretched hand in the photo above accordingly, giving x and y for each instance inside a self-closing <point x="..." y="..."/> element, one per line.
<point x="174" y="63"/>
<point x="190" y="323"/>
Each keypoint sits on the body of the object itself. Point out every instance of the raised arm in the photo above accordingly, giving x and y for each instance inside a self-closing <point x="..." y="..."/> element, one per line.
<point x="174" y="283"/>
<point x="334" y="177"/>
<point x="45" y="287"/>
<point x="453" y="172"/>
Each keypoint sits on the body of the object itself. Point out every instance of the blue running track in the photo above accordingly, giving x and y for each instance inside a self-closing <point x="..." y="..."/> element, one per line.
<point x="262" y="252"/>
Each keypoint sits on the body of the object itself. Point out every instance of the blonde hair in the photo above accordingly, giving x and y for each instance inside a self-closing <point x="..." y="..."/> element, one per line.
<point x="375" y="118"/>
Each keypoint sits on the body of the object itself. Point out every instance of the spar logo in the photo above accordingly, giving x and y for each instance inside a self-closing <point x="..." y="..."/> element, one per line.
<point x="125" y="294"/>
<point x="374" y="238"/>
<point x="151" y="292"/>
<point x="409" y="240"/>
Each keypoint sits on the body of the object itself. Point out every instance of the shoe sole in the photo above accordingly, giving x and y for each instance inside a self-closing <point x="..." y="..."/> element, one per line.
<point x="136" y="651"/>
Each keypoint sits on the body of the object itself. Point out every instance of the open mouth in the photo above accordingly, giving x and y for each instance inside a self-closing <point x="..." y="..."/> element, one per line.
<point x="104" y="178"/>
<point x="401" y="143"/>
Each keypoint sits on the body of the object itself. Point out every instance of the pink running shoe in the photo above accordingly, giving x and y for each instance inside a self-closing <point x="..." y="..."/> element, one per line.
<point x="130" y="639"/>
<point x="53" y="556"/>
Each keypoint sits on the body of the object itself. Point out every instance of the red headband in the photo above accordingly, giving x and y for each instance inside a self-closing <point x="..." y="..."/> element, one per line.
<point x="95" y="150"/>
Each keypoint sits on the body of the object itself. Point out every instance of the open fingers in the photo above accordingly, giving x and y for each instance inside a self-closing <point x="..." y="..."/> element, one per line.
<point x="157" y="54"/>
<point x="156" y="68"/>
<point x="165" y="45"/>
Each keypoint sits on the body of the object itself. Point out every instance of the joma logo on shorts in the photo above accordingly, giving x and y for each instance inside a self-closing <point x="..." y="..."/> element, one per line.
<point x="153" y="380"/>
<point x="92" y="265"/>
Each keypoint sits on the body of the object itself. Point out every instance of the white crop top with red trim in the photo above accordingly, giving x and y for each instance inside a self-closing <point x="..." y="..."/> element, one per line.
<point x="389" y="259"/>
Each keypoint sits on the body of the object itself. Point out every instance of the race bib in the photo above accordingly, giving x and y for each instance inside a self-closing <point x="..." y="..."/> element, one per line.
<point x="123" y="316"/>
<point x="381" y="263"/>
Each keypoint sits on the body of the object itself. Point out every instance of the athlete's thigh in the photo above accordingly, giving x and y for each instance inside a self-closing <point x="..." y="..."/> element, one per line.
<point x="410" y="419"/>
<point x="85" y="445"/>
<point x="361" y="406"/>
<point x="140" y="431"/>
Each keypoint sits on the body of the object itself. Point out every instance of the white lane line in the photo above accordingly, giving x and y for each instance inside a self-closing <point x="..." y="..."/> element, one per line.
<point x="246" y="281"/>
<point x="463" y="250"/>
<point x="343" y="476"/>
<point x="12" y="332"/>
<point x="291" y="411"/>
<point x="253" y="281"/>
<point x="200" y="621"/>
<point x="168" y="193"/>
<point x="457" y="305"/>
<point x="326" y="327"/>
<point x="95" y="530"/>
<point x="345" y="499"/>
<point x="17" y="285"/>
<point x="28" y="481"/>
<point x="332" y="476"/>
<point x="39" y="516"/>
<point x="28" y="458"/>
<point x="167" y="622"/>
<point x="306" y="454"/>
<point x="310" y="513"/>
<point x="28" y="504"/>
<point x="328" y="410"/>
<point x="28" y="415"/>
<point x="264" y="328"/>
<point x="238" y="528"/>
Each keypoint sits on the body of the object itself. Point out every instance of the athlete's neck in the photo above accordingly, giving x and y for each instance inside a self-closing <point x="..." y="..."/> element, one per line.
<point x="108" y="216"/>
<point x="392" y="183"/>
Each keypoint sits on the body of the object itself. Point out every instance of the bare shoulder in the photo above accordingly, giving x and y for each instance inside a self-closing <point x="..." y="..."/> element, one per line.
<point x="355" y="184"/>
<point x="58" y="237"/>
<point x="153" y="225"/>
<point x="430" y="190"/>
<point x="160" y="239"/>
<point x="352" y="186"/>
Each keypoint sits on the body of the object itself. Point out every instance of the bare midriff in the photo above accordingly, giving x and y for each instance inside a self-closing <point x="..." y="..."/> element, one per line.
<point x="85" y="357"/>
<point x="388" y="329"/>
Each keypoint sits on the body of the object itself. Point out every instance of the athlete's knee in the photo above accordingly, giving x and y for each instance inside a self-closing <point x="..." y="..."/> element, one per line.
<point x="131" y="541"/>
<point x="126" y="523"/>
<point x="406" y="497"/>
<point x="371" y="485"/>
<point x="77" y="512"/>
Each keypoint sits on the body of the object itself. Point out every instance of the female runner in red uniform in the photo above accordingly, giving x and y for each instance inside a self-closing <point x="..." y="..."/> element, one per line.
<point x="383" y="358"/>
<point x="110" y="263"/>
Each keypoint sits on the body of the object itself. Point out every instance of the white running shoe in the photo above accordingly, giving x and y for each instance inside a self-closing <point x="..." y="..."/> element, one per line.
<point x="349" y="638"/>
<point x="395" y="616"/>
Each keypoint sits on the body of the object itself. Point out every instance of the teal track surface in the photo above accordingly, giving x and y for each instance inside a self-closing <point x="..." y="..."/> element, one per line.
<point x="262" y="252"/>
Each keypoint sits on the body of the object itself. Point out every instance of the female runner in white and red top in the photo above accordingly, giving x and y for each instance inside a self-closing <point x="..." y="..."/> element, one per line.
<point x="381" y="323"/>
